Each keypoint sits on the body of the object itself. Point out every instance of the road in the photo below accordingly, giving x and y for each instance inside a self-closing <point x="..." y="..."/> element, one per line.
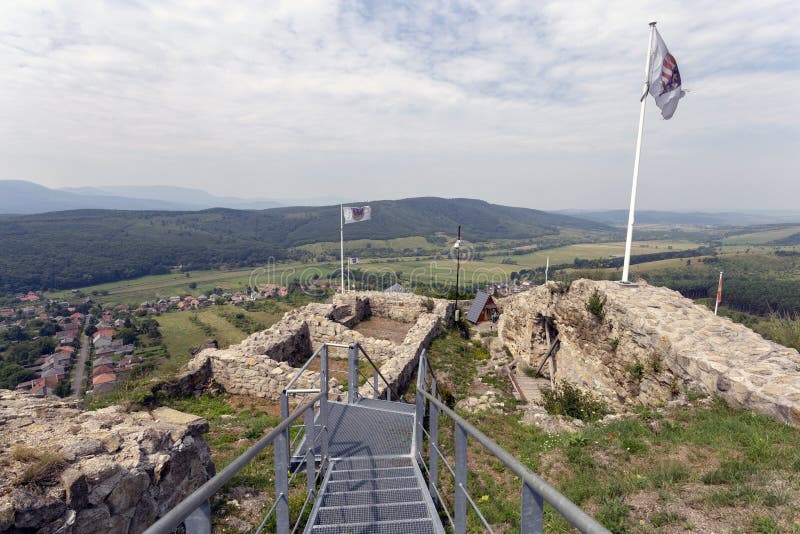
<point x="80" y="365"/>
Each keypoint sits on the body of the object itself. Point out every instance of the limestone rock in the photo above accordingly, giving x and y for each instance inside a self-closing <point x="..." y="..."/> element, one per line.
<point x="108" y="454"/>
<point x="649" y="346"/>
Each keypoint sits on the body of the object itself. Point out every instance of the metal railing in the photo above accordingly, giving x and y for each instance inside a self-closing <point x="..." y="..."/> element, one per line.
<point x="194" y="510"/>
<point x="389" y="392"/>
<point x="534" y="491"/>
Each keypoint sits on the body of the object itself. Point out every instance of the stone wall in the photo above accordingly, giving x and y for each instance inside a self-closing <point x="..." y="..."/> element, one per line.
<point x="652" y="345"/>
<point x="262" y="364"/>
<point x="107" y="471"/>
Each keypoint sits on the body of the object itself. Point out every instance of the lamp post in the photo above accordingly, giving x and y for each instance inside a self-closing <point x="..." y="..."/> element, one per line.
<point x="457" y="246"/>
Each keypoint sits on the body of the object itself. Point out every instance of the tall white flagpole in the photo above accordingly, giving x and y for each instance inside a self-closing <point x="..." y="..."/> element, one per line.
<point x="629" y="238"/>
<point x="341" y="240"/>
<point x="546" y="268"/>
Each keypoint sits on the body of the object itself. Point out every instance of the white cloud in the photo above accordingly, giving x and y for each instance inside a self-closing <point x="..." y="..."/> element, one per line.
<point x="519" y="102"/>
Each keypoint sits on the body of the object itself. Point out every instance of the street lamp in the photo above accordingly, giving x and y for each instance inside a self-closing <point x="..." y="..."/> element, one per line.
<point x="457" y="246"/>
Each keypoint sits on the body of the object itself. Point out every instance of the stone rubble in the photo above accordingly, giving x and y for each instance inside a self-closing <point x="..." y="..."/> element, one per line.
<point x="651" y="346"/>
<point x="109" y="471"/>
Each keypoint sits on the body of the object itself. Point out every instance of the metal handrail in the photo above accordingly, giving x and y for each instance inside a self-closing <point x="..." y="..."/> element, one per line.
<point x="172" y="519"/>
<point x="378" y="371"/>
<point x="535" y="491"/>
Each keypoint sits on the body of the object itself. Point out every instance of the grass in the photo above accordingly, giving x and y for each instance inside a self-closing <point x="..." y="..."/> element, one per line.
<point x="42" y="468"/>
<point x="692" y="460"/>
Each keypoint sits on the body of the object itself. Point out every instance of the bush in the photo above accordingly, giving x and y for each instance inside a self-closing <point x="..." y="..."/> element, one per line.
<point x="566" y="399"/>
<point x="596" y="304"/>
<point x="636" y="371"/>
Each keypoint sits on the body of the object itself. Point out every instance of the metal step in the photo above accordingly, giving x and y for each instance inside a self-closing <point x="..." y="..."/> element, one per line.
<point x="372" y="513"/>
<point x="411" y="526"/>
<point x="351" y="498"/>
<point x="371" y="463"/>
<point x="365" y="474"/>
<point x="336" y="486"/>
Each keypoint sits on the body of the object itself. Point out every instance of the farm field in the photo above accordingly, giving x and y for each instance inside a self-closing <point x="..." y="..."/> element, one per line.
<point x="761" y="237"/>
<point x="597" y="250"/>
<point x="137" y="290"/>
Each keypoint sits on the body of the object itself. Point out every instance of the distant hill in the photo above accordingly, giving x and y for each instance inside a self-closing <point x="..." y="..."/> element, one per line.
<point x="182" y="198"/>
<point x="23" y="197"/>
<point x="78" y="248"/>
<point x="620" y="217"/>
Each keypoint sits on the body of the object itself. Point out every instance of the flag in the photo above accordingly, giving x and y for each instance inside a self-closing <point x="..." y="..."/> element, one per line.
<point x="353" y="261"/>
<point x="352" y="215"/>
<point x="665" y="78"/>
<point x="719" y="289"/>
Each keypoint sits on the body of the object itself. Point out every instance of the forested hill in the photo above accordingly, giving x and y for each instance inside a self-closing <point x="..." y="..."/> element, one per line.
<point x="75" y="248"/>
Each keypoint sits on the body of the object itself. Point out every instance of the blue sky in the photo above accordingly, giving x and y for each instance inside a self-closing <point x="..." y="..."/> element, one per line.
<point x="524" y="103"/>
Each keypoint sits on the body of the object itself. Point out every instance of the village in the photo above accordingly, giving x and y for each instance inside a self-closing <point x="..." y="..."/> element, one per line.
<point x="76" y="347"/>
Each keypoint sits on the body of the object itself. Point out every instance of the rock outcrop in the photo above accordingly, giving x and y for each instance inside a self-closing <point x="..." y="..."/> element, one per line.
<point x="650" y="344"/>
<point x="263" y="364"/>
<point x="68" y="470"/>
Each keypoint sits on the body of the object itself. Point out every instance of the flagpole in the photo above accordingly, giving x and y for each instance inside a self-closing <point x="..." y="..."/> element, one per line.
<point x="719" y="294"/>
<point x="629" y="237"/>
<point x="341" y="240"/>
<point x="546" y="268"/>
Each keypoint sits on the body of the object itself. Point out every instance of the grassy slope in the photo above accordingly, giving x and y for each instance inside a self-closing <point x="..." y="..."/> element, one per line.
<point x="706" y="467"/>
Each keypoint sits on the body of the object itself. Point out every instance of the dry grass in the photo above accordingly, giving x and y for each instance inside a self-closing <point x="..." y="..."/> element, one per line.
<point x="43" y="466"/>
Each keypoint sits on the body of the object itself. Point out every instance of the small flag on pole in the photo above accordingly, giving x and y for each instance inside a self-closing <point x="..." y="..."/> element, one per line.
<point x="353" y="215"/>
<point x="719" y="294"/>
<point x="353" y="261"/>
<point x="665" y="78"/>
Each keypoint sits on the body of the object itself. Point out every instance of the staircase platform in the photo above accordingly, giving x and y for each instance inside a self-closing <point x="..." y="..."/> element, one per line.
<point x="373" y="485"/>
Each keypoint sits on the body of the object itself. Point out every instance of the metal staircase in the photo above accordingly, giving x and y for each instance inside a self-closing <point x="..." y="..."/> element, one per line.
<point x="373" y="485"/>
<point x="365" y="467"/>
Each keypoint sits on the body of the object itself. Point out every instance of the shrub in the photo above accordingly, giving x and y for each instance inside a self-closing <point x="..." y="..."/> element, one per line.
<point x="566" y="399"/>
<point x="636" y="371"/>
<point x="615" y="343"/>
<point x="656" y="363"/>
<point x="596" y="304"/>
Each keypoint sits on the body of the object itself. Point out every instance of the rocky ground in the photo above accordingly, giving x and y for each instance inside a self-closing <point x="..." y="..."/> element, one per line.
<point x="72" y="471"/>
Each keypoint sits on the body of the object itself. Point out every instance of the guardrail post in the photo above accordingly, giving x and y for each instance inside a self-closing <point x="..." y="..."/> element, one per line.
<point x="460" y="515"/>
<point x="532" y="511"/>
<point x="433" y="444"/>
<point x="352" y="373"/>
<point x="284" y="416"/>
<point x="420" y="412"/>
<point x="311" y="479"/>
<point x="282" y="483"/>
<point x="323" y="405"/>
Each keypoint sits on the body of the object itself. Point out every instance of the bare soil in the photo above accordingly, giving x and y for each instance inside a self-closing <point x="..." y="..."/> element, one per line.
<point x="381" y="328"/>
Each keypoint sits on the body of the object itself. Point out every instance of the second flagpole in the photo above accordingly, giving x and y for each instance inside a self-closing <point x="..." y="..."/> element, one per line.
<point x="629" y="237"/>
<point x="341" y="240"/>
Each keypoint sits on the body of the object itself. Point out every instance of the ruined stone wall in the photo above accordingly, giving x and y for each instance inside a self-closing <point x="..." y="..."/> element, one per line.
<point x="652" y="345"/>
<point x="262" y="364"/>
<point x="109" y="471"/>
<point x="403" y="307"/>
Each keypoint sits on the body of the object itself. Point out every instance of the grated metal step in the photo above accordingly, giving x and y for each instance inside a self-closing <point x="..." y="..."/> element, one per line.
<point x="365" y="474"/>
<point x="336" y="486"/>
<point x="371" y="463"/>
<point x="372" y="513"/>
<point x="392" y="406"/>
<point x="412" y="526"/>
<point x="351" y="498"/>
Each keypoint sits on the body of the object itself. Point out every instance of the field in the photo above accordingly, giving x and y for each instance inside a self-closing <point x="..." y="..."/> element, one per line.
<point x="761" y="237"/>
<point x="399" y="243"/>
<point x="568" y="254"/>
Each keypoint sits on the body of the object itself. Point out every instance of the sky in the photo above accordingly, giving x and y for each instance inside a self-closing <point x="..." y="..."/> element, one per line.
<point x="531" y="104"/>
